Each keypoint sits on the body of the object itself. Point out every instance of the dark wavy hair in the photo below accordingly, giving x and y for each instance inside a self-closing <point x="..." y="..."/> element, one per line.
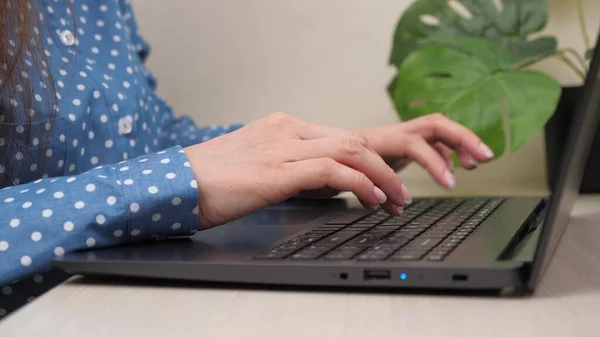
<point x="23" y="66"/>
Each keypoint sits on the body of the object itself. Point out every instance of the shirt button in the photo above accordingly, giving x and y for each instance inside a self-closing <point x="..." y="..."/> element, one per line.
<point x="67" y="38"/>
<point x="125" y="125"/>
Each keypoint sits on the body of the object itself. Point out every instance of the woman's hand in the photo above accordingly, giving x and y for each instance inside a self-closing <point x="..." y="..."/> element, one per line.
<point x="275" y="158"/>
<point x="429" y="141"/>
<point x="278" y="157"/>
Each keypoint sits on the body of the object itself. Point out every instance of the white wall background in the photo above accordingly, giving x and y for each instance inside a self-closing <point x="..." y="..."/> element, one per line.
<point x="321" y="60"/>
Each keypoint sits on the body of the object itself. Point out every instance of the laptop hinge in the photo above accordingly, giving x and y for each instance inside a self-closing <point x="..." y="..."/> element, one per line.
<point x="522" y="246"/>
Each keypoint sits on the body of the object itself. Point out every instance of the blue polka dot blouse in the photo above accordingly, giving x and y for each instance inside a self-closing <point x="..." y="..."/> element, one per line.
<point x="113" y="170"/>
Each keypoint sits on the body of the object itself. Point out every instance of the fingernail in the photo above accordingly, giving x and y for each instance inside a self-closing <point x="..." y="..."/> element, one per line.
<point x="406" y="195"/>
<point x="400" y="210"/>
<point x="472" y="162"/>
<point x="450" y="181"/>
<point x="381" y="197"/>
<point x="486" y="150"/>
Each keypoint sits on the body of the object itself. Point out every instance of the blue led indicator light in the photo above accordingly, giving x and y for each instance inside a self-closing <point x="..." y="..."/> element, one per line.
<point x="403" y="276"/>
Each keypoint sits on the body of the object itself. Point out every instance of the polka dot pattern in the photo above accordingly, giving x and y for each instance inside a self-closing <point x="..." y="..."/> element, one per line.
<point x="99" y="211"/>
<point x="106" y="99"/>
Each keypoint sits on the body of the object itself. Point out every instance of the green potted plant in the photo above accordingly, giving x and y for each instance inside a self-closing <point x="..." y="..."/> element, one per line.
<point x="470" y="60"/>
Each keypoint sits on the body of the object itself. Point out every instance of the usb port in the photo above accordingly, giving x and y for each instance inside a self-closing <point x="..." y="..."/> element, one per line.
<point x="377" y="274"/>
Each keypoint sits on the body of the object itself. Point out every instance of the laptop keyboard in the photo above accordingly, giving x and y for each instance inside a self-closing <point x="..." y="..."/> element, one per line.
<point x="429" y="229"/>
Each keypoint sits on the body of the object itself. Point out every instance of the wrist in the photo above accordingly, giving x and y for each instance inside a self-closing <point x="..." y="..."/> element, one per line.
<point x="200" y="176"/>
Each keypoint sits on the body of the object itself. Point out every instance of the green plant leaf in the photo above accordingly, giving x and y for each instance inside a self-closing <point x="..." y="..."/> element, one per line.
<point x="528" y="50"/>
<point x="470" y="80"/>
<point x="589" y="53"/>
<point x="510" y="25"/>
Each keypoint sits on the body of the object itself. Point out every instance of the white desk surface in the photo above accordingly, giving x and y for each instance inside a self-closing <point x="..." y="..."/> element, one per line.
<point x="566" y="304"/>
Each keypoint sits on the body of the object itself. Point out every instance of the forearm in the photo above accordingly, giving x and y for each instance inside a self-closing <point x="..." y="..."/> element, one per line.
<point x="135" y="200"/>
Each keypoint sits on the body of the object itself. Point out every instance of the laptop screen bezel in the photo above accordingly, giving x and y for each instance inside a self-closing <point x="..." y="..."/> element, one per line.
<point x="577" y="149"/>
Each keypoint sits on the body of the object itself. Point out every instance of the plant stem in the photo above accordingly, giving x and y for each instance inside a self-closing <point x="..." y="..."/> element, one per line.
<point x="527" y="63"/>
<point x="560" y="55"/>
<point x="581" y="60"/>
<point x="583" y="26"/>
<point x="570" y="64"/>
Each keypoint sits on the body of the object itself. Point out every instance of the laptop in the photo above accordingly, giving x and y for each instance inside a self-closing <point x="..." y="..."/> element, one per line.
<point x="469" y="244"/>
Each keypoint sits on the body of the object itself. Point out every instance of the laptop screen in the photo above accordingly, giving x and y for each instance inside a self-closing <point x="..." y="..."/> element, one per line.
<point x="581" y="135"/>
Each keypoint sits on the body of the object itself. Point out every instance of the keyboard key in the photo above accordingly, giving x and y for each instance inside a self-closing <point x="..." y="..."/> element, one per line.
<point x="323" y="232"/>
<point x="401" y="241"/>
<point x="373" y="256"/>
<point x="411" y="233"/>
<point x="337" y="238"/>
<point x="388" y="247"/>
<point x="317" y="248"/>
<point x="378" y="232"/>
<point x="389" y="227"/>
<point x="350" y="216"/>
<point x="400" y="218"/>
<point x="424" y="243"/>
<point x="352" y="247"/>
<point x="440" y="230"/>
<point x="407" y="257"/>
<point x="293" y="245"/>
<point x="456" y="238"/>
<point x="361" y="226"/>
<point x="420" y="252"/>
<point x="364" y="241"/>
<point x="448" y="223"/>
<point x="441" y="250"/>
<point x="417" y="227"/>
<point x="307" y="237"/>
<point x="332" y="226"/>
<point x="436" y="257"/>
<point x="376" y="254"/>
<point x="402" y="235"/>
<point x="448" y="245"/>
<point x="433" y="235"/>
<point x="283" y="248"/>
<point x="372" y="222"/>
<point x="306" y="255"/>
<point x="340" y="255"/>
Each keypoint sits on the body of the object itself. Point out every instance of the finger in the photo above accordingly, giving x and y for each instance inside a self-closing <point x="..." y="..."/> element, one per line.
<point x="464" y="157"/>
<point x="392" y="209"/>
<point x="350" y="152"/>
<point x="445" y="152"/>
<point x="438" y="127"/>
<point x="365" y="204"/>
<point x="466" y="160"/>
<point x="306" y="131"/>
<point x="423" y="153"/>
<point x="316" y="173"/>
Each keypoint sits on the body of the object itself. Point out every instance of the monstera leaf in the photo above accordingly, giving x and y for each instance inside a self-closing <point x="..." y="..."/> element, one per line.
<point x="471" y="81"/>
<point x="508" y="22"/>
